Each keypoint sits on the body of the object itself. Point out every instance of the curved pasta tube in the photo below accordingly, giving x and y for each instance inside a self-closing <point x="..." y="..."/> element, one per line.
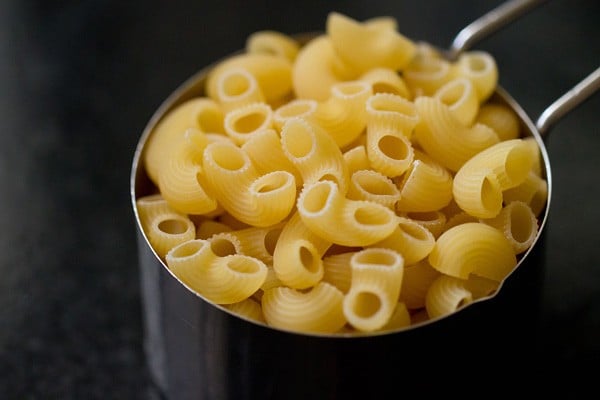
<point x="244" y="122"/>
<point x="375" y="288"/>
<point x="389" y="151"/>
<point x="533" y="191"/>
<point x="343" y="115"/>
<point x="337" y="270"/>
<point x="446" y="295"/>
<point x="473" y="248"/>
<point x="433" y="221"/>
<point x="386" y="80"/>
<point x="399" y="319"/>
<point x="318" y="310"/>
<point x="272" y="42"/>
<point x="372" y="186"/>
<point x="534" y="147"/>
<point x="150" y="206"/>
<point x="259" y="242"/>
<point x="181" y="179"/>
<point x="461" y="97"/>
<point x="481" y="69"/>
<point x="314" y="153"/>
<point x="236" y="87"/>
<point x="389" y="112"/>
<point x="445" y="139"/>
<point x="327" y="213"/>
<point x="356" y="159"/>
<point x="416" y="282"/>
<point x="302" y="108"/>
<point x="264" y="149"/>
<point x="426" y="186"/>
<point x="478" y="193"/>
<point x="297" y="255"/>
<point x="167" y="230"/>
<point x="481" y="287"/>
<point x="249" y="309"/>
<point x="366" y="46"/>
<point x="222" y="280"/>
<point x="317" y="68"/>
<point x="200" y="113"/>
<point x="501" y="119"/>
<point x="426" y="74"/>
<point x="518" y="224"/>
<point x="273" y="74"/>
<point x="410" y="239"/>
<point x="459" y="219"/>
<point x="251" y="198"/>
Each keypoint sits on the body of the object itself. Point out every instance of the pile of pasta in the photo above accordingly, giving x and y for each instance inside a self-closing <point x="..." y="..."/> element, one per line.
<point x="358" y="182"/>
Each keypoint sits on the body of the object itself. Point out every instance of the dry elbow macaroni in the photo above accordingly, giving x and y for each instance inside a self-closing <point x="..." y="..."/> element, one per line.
<point x="355" y="183"/>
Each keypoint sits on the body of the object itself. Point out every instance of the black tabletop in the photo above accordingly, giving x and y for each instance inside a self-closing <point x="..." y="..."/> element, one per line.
<point x="80" y="79"/>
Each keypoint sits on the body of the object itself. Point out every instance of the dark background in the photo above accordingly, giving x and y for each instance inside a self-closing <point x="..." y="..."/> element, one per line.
<point x="80" y="79"/>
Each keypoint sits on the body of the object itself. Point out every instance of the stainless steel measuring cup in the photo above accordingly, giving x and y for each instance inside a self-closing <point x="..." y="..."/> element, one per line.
<point x="199" y="350"/>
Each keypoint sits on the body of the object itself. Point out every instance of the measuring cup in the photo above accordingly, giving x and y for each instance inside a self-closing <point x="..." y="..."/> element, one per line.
<point x="199" y="350"/>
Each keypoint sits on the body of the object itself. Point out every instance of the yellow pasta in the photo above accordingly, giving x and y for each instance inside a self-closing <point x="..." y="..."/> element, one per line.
<point x="426" y="74"/>
<point x="150" y="206"/>
<point x="167" y="230"/>
<point x="518" y="223"/>
<point x="480" y="68"/>
<point x="314" y="153"/>
<point x="386" y="80"/>
<point x="433" y="221"/>
<point x="399" y="319"/>
<point x="446" y="295"/>
<point x="303" y="108"/>
<point x="415" y="284"/>
<point x="375" y="287"/>
<point x="259" y="242"/>
<point x="272" y="42"/>
<point x="297" y="255"/>
<point x="372" y="186"/>
<point x="330" y="215"/>
<point x="481" y="287"/>
<point x="501" y="119"/>
<point x="534" y="147"/>
<point x="318" y="310"/>
<point x="478" y="193"/>
<point x="458" y="219"/>
<point x="337" y="270"/>
<point x="222" y="280"/>
<point x="533" y="191"/>
<point x="367" y="46"/>
<point x="473" y="248"/>
<point x="426" y="186"/>
<point x="389" y="151"/>
<point x="356" y="159"/>
<point x="208" y="228"/>
<point x="273" y="74"/>
<point x="343" y="115"/>
<point x="265" y="151"/>
<point x="199" y="113"/>
<point x="249" y="309"/>
<point x="445" y="139"/>
<point x="244" y="122"/>
<point x="410" y="239"/>
<point x="389" y="112"/>
<point x="236" y="87"/>
<point x="461" y="98"/>
<point x="317" y="68"/>
<point x="181" y="181"/>
<point x="251" y="198"/>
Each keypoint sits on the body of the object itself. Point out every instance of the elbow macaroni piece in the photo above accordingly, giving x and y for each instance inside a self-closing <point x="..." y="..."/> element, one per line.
<point x="249" y="309"/>
<point x="426" y="186"/>
<point x="518" y="224"/>
<point x="501" y="119"/>
<point x="386" y="80"/>
<point x="446" y="295"/>
<point x="480" y="68"/>
<point x="243" y="123"/>
<point x="167" y="230"/>
<point x="461" y="97"/>
<point x="330" y="215"/>
<point x="473" y="248"/>
<point x="272" y="42"/>
<point x="416" y="282"/>
<point x="389" y="112"/>
<point x="372" y="186"/>
<point x="389" y="151"/>
<point x="410" y="239"/>
<point x="236" y="87"/>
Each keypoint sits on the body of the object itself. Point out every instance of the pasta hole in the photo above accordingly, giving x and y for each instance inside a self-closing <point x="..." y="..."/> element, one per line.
<point x="376" y="257"/>
<point x="375" y="186"/>
<point x="296" y="109"/>
<point x="222" y="246"/>
<point x="187" y="249"/>
<point x="173" y="226"/>
<point x="476" y="64"/>
<point x="518" y="163"/>
<point x="383" y="87"/>
<point x="249" y="122"/>
<point x="366" y="304"/>
<point x="371" y="216"/>
<point x="229" y="157"/>
<point x="489" y="194"/>
<point x="271" y="182"/>
<point x="393" y="104"/>
<point x="270" y="240"/>
<point x="393" y="147"/>
<point x="235" y="85"/>
<point x="244" y="265"/>
<point x="308" y="259"/>
<point x="522" y="223"/>
<point x="317" y="198"/>
<point x="453" y="94"/>
<point x="414" y="230"/>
